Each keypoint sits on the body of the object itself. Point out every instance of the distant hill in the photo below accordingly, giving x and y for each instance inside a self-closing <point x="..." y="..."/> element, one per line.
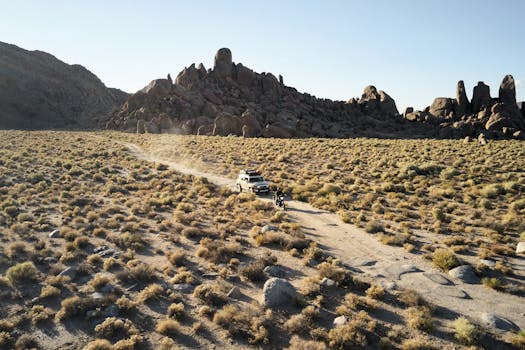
<point x="38" y="91"/>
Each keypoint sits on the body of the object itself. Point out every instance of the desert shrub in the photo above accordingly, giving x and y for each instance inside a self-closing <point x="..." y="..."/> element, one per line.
<point x="445" y="259"/>
<point x="417" y="343"/>
<point x="129" y="343"/>
<point x="49" y="292"/>
<point x="168" y="327"/>
<point x="74" y="306"/>
<point x="210" y="295"/>
<point x="113" y="327"/>
<point x="153" y="291"/>
<point x="340" y="275"/>
<point x="98" y="344"/>
<point x="375" y="292"/>
<point x="419" y="317"/>
<point x="346" y="336"/>
<point x="466" y="332"/>
<point x="374" y="227"/>
<point x="217" y="251"/>
<point x="175" y="310"/>
<point x="39" y="313"/>
<point x="297" y="343"/>
<point x="254" y="271"/>
<point x="243" y="323"/>
<point x="177" y="257"/>
<point x="26" y="341"/>
<point x="518" y="339"/>
<point x="491" y="282"/>
<point x="21" y="273"/>
<point x="411" y="298"/>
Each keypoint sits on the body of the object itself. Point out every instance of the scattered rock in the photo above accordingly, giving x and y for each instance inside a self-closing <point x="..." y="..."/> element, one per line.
<point x="278" y="293"/>
<point x="327" y="282"/>
<point x="520" y="248"/>
<point x="183" y="288"/>
<point x="234" y="293"/>
<point x="111" y="311"/>
<point x="70" y="272"/>
<point x="267" y="228"/>
<point x="97" y="296"/>
<point x="210" y="275"/>
<point x="496" y="322"/>
<point x="464" y="273"/>
<point x="482" y="139"/>
<point x="339" y="321"/>
<point x="442" y="107"/>
<point x="275" y="271"/>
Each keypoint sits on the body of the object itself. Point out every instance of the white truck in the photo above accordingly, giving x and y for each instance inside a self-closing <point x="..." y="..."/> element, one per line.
<point x="252" y="181"/>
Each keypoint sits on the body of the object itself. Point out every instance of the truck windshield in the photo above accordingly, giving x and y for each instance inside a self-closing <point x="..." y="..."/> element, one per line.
<point x="256" y="179"/>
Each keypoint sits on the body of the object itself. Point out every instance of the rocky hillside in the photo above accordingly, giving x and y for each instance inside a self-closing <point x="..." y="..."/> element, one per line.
<point x="231" y="99"/>
<point x="39" y="91"/>
<point x="493" y="117"/>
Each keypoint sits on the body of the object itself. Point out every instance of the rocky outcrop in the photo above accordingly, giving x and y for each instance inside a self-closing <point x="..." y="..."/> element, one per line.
<point x="442" y="107"/>
<point x="278" y="293"/>
<point x="492" y="118"/>
<point x="232" y="99"/>
<point x="462" y="102"/>
<point x="39" y="91"/>
<point x="481" y="97"/>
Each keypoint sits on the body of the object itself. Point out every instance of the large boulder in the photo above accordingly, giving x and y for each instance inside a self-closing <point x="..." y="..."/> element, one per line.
<point x="223" y="66"/>
<point x="387" y="104"/>
<point x="442" y="107"/>
<point x="507" y="91"/>
<point x="480" y="97"/>
<point x="462" y="103"/>
<point x="278" y="293"/>
<point x="269" y="84"/>
<point x="250" y="124"/>
<point x="226" y="124"/>
<point x="189" y="76"/>
<point x="464" y="273"/>
<point x="158" y="87"/>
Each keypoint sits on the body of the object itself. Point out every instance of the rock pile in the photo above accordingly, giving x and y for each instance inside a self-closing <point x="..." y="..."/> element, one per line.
<point x="231" y="99"/>
<point x="483" y="117"/>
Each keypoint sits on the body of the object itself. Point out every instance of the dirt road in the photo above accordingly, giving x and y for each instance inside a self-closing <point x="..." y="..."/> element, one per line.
<point x="389" y="266"/>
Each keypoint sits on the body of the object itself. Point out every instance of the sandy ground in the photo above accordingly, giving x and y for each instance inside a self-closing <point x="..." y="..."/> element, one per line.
<point x="388" y="266"/>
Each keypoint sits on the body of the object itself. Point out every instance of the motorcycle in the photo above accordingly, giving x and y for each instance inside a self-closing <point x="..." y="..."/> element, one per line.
<point x="279" y="201"/>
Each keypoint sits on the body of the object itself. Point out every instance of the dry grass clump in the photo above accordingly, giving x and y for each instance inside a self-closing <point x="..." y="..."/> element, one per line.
<point x="417" y="343"/>
<point x="211" y="295"/>
<point x="297" y="343"/>
<point x="445" y="259"/>
<point x="243" y="323"/>
<point x="153" y="291"/>
<point x="419" y="317"/>
<point x="348" y="335"/>
<point x="217" y="251"/>
<point x="178" y="257"/>
<point x="254" y="271"/>
<point x="168" y="327"/>
<point x="113" y="327"/>
<point x="22" y="273"/>
<point x="465" y="332"/>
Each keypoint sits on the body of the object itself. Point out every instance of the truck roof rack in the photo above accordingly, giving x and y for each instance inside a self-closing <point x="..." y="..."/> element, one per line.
<point x="249" y="172"/>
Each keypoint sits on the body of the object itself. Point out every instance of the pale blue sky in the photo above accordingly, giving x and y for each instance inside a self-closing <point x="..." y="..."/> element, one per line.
<point x="414" y="50"/>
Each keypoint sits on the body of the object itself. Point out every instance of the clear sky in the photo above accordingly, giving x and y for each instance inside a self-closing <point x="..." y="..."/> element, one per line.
<point x="413" y="50"/>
